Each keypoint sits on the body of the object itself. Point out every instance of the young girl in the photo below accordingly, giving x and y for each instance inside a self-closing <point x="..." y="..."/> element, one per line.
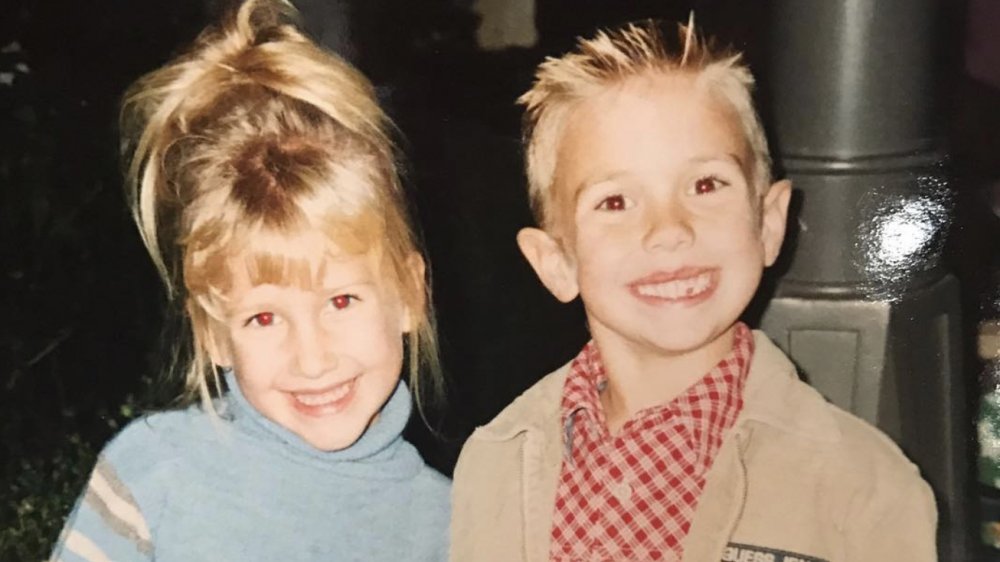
<point x="265" y="188"/>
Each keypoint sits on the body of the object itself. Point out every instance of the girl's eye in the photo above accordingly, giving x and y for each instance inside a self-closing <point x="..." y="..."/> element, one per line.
<point x="340" y="302"/>
<point x="708" y="184"/>
<point x="261" y="319"/>
<point x="613" y="203"/>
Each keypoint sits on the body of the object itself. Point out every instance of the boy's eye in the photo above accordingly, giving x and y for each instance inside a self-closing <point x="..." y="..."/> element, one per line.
<point x="340" y="302"/>
<point x="261" y="319"/>
<point x="707" y="184"/>
<point x="613" y="203"/>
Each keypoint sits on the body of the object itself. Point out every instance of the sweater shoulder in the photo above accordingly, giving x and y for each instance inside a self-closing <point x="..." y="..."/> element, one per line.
<point x="117" y="514"/>
<point x="434" y="481"/>
<point x="154" y="439"/>
<point x="433" y="491"/>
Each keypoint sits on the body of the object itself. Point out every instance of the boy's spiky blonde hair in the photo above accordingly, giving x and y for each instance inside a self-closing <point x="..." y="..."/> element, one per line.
<point x="611" y="58"/>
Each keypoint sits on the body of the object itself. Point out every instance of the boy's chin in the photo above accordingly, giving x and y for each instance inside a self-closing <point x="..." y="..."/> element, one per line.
<point x="686" y="341"/>
<point x="678" y="340"/>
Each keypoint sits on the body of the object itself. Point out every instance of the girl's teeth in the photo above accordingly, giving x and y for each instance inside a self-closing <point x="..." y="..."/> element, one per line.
<point x="676" y="289"/>
<point x="324" y="398"/>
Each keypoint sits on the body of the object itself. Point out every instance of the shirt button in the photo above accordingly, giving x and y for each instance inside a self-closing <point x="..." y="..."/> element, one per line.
<point x="622" y="491"/>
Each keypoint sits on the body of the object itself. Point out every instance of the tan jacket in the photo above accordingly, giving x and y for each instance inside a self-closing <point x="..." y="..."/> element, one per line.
<point x="796" y="480"/>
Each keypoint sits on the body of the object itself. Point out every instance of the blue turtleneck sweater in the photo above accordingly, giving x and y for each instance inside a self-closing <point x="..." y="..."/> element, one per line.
<point x="186" y="485"/>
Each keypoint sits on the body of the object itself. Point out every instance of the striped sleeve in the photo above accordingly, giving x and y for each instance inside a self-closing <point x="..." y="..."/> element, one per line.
<point x="106" y="523"/>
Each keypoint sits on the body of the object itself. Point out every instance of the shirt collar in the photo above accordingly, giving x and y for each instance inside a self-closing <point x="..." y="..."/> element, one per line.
<point x="587" y="378"/>
<point x="772" y="395"/>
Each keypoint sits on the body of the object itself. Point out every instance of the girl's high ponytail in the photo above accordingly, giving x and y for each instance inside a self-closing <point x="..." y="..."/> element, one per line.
<point x="256" y="53"/>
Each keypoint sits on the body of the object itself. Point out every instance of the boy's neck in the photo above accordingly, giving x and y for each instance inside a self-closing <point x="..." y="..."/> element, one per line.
<point x="640" y="377"/>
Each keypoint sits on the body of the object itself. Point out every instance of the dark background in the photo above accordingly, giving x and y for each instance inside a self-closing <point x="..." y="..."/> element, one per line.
<point x="82" y="341"/>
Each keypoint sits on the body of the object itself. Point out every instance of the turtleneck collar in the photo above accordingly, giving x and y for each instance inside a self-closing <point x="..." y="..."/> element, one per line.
<point x="381" y="444"/>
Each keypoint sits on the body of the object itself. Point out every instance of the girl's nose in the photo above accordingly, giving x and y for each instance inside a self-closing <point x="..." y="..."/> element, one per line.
<point x="314" y="353"/>
<point x="668" y="227"/>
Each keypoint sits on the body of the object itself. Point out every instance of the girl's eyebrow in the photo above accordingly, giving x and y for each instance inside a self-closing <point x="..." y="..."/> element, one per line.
<point x="262" y="296"/>
<point x="343" y="287"/>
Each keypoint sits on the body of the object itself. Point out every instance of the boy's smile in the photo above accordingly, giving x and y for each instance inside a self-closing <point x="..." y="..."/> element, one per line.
<point x="687" y="286"/>
<point x="658" y="225"/>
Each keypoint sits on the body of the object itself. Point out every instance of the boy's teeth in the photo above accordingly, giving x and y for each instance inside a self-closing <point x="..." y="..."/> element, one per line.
<point x="313" y="399"/>
<point x="678" y="288"/>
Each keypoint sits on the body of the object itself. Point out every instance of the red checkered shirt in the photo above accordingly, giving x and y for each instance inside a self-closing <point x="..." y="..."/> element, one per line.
<point x="632" y="496"/>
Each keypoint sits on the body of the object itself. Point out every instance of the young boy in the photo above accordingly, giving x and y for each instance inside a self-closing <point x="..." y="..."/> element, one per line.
<point x="677" y="433"/>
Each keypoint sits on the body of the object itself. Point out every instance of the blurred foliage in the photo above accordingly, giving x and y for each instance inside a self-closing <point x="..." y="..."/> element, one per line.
<point x="41" y="489"/>
<point x="82" y="305"/>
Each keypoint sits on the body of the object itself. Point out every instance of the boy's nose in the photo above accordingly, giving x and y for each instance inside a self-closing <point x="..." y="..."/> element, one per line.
<point x="668" y="227"/>
<point x="314" y="354"/>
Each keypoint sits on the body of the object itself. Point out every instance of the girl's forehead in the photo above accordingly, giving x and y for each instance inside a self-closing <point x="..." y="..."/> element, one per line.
<point x="323" y="269"/>
<point x="306" y="243"/>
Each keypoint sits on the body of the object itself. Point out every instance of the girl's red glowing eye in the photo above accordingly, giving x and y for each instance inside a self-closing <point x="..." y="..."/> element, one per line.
<point x="263" y="319"/>
<point x="705" y="185"/>
<point x="613" y="203"/>
<point x="340" y="302"/>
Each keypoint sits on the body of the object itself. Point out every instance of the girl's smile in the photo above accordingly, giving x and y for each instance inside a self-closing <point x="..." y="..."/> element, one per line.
<point x="324" y="402"/>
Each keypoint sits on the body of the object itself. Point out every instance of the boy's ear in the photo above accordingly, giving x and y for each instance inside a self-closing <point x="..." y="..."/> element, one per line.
<point x="413" y="311"/>
<point x="774" y="217"/>
<point x="550" y="263"/>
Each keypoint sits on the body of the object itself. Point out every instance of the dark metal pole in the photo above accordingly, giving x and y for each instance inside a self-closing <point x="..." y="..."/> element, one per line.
<point x="865" y="307"/>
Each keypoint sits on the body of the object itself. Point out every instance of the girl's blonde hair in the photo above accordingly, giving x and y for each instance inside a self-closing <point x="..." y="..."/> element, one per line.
<point x="256" y="136"/>
<point x="610" y="59"/>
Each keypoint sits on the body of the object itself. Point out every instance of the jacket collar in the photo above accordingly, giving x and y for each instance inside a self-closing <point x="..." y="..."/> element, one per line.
<point x="773" y="396"/>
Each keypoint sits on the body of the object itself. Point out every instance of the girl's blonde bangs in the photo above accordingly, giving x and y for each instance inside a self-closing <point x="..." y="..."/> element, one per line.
<point x="291" y="255"/>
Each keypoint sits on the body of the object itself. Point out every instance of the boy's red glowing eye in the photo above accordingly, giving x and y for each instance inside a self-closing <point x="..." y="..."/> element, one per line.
<point x="613" y="203"/>
<point x="705" y="185"/>
<point x="340" y="302"/>
<point x="263" y="319"/>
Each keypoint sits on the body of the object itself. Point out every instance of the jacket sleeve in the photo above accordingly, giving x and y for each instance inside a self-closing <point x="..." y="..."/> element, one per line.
<point x="904" y="528"/>
<point x="487" y="521"/>
<point x="470" y="499"/>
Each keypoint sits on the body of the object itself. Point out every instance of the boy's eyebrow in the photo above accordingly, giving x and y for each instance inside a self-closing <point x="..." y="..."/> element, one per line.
<point x="726" y="156"/>
<point x="588" y="183"/>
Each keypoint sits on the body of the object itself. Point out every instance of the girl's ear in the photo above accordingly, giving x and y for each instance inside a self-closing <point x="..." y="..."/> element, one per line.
<point x="774" y="217"/>
<point x="208" y="334"/>
<point x="413" y="312"/>
<point x="554" y="268"/>
<point x="218" y="349"/>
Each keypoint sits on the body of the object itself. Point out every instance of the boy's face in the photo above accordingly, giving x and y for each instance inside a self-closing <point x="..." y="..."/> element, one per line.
<point x="657" y="227"/>
<point x="319" y="361"/>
